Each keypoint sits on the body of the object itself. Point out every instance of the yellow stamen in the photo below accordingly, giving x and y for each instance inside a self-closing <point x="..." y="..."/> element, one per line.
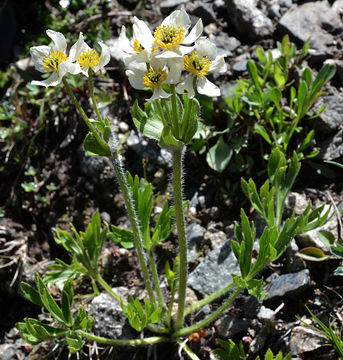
<point x="53" y="59"/>
<point x="88" y="59"/>
<point x="198" y="66"/>
<point x="137" y="46"/>
<point x="167" y="36"/>
<point x="154" y="78"/>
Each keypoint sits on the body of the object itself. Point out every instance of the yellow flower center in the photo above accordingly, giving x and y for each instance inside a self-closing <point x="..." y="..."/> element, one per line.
<point x="89" y="59"/>
<point x="154" y="78"/>
<point x="198" y="66"/>
<point x="167" y="36"/>
<point x="137" y="46"/>
<point x="53" y="59"/>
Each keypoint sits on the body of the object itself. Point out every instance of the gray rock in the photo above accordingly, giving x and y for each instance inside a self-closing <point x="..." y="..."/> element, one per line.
<point x="94" y="168"/>
<point x="305" y="339"/>
<point x="8" y="352"/>
<point x="228" y="326"/>
<point x="248" y="20"/>
<point x="294" y="263"/>
<point x="274" y="11"/>
<point x="202" y="9"/>
<point x="265" y="314"/>
<point x="286" y="3"/>
<point x="251" y="307"/>
<point x="240" y="66"/>
<point x="224" y="44"/>
<point x="258" y="343"/>
<point x="287" y="285"/>
<point x="213" y="272"/>
<point x="338" y="64"/>
<point x="295" y="202"/>
<point x="168" y="5"/>
<point x="194" y="235"/>
<point x="332" y="147"/>
<point x="315" y="21"/>
<point x="331" y="119"/>
<point x="215" y="237"/>
<point x="165" y="158"/>
<point x="109" y="320"/>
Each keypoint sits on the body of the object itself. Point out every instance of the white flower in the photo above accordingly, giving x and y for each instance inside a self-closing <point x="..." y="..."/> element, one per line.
<point x="87" y="57"/>
<point x="142" y="46"/>
<point x="203" y="60"/>
<point x="172" y="35"/>
<point x="152" y="77"/>
<point x="54" y="60"/>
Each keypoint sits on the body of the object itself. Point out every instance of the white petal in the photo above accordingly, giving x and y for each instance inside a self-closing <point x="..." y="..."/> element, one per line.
<point x="168" y="54"/>
<point x="68" y="67"/>
<point x="159" y="93"/>
<point x="205" y="47"/>
<point x="186" y="85"/>
<point x="59" y="40"/>
<point x="124" y="42"/>
<point x="37" y="54"/>
<point x="174" y="74"/>
<point x="136" y="78"/>
<point x="205" y="87"/>
<point x="185" y="50"/>
<point x="143" y="34"/>
<point x="218" y="65"/>
<point x="178" y="18"/>
<point x="50" y="81"/>
<point x="105" y="56"/>
<point x="194" y="34"/>
<point x="78" y="48"/>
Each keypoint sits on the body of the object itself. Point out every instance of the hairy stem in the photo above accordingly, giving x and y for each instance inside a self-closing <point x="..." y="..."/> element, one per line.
<point x="203" y="323"/>
<point x="180" y="225"/>
<point x="119" y="342"/>
<point x="108" y="288"/>
<point x="187" y="350"/>
<point x="91" y="89"/>
<point x="208" y="299"/>
<point x="160" y="110"/>
<point x="99" y="139"/>
<point x="156" y="281"/>
<point x="174" y="111"/>
<point x="137" y="234"/>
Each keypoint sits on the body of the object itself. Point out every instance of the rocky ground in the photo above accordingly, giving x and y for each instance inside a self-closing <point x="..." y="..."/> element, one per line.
<point x="84" y="184"/>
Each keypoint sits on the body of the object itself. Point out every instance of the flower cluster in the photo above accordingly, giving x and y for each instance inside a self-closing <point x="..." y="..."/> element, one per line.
<point x="56" y="61"/>
<point x="160" y="58"/>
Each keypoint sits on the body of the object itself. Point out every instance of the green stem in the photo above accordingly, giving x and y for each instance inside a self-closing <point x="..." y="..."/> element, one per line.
<point x="180" y="225"/>
<point x="104" y="284"/>
<point x="208" y="299"/>
<point x="95" y="106"/>
<point x="185" y="122"/>
<point x="166" y="106"/>
<point x="137" y="235"/>
<point x="99" y="139"/>
<point x="156" y="281"/>
<point x="174" y="111"/>
<point x="187" y="350"/>
<point x="160" y="110"/>
<point x="203" y="323"/>
<point x="118" y="342"/>
<point x="170" y="307"/>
